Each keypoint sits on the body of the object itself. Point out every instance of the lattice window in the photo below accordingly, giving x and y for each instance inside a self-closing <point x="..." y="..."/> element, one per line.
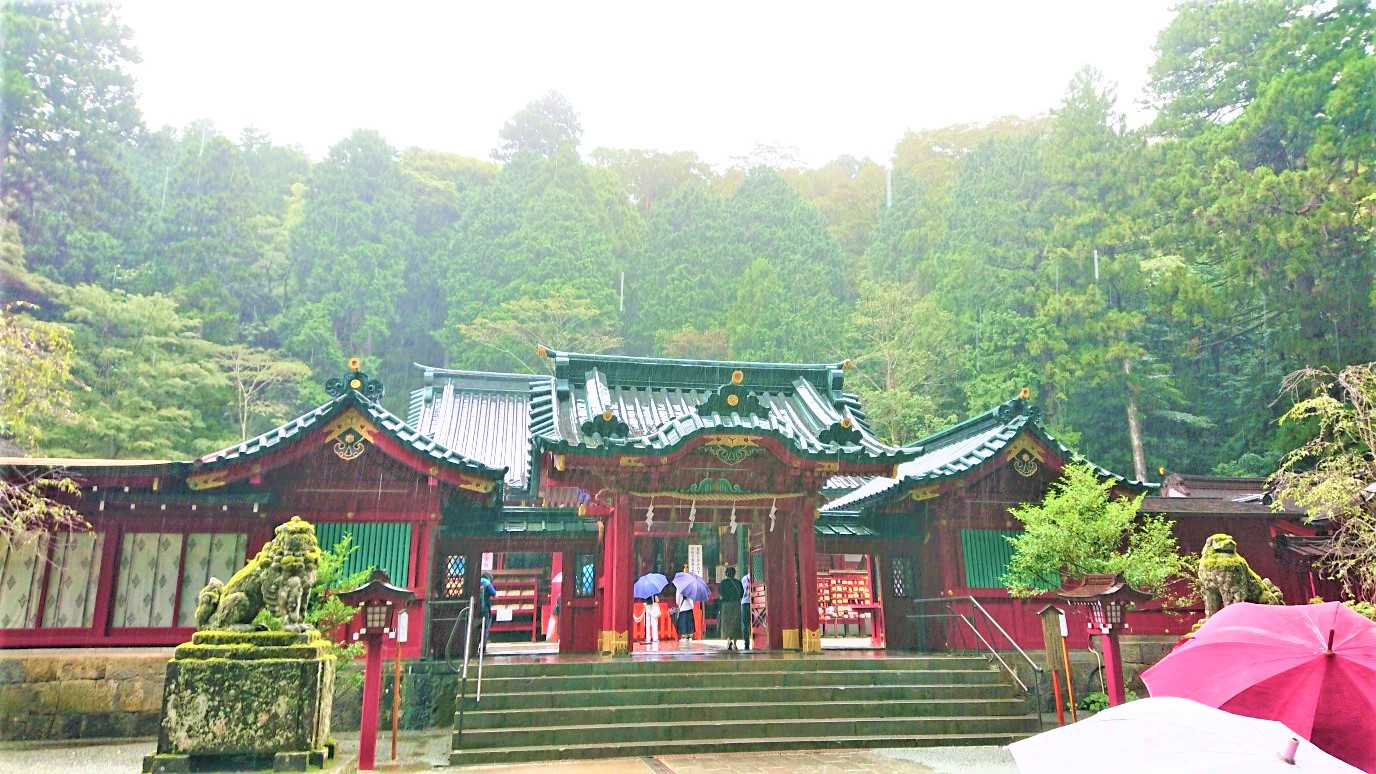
<point x="455" y="565"/>
<point x="902" y="576"/>
<point x="757" y="568"/>
<point x="585" y="576"/>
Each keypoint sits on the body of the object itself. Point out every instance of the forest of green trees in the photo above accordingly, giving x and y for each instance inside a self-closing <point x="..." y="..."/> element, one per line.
<point x="1152" y="286"/>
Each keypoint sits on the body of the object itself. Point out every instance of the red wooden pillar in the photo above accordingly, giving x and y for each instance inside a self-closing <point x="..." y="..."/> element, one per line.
<point x="606" y="568"/>
<point x="616" y="627"/>
<point x="810" y="621"/>
<point x="781" y="572"/>
<point x="556" y="590"/>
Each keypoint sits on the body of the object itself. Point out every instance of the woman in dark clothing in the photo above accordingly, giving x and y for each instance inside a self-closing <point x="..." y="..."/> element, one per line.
<point x="686" y="625"/>
<point x="730" y="591"/>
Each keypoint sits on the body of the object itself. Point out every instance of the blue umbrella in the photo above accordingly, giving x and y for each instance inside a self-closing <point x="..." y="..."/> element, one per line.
<point x="692" y="586"/>
<point x="649" y="585"/>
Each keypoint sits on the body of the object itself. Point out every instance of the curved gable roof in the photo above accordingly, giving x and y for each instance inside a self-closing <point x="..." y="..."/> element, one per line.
<point x="661" y="404"/>
<point x="321" y="416"/>
<point x="962" y="448"/>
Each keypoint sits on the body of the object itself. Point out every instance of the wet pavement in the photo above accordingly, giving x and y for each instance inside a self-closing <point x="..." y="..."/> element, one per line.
<point x="429" y="751"/>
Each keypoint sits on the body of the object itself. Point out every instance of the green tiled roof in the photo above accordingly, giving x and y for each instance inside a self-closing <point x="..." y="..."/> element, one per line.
<point x="960" y="449"/>
<point x="846" y="524"/>
<point x="526" y="520"/>
<point x="484" y="416"/>
<point x="661" y="403"/>
<point x="388" y="423"/>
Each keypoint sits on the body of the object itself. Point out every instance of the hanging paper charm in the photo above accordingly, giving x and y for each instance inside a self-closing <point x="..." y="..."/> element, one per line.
<point x="733" y="518"/>
<point x="773" y="512"/>
<point x="692" y="514"/>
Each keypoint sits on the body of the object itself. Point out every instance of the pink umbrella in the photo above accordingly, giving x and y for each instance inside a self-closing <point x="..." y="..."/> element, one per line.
<point x="1311" y="667"/>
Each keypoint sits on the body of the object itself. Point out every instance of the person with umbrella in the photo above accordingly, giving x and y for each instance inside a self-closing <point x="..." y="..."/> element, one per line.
<point x="649" y="587"/>
<point x="684" y="618"/>
<point x="730" y="591"/>
<point x="688" y="588"/>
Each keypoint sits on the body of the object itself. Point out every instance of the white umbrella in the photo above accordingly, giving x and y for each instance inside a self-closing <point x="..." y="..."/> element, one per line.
<point x="1169" y="734"/>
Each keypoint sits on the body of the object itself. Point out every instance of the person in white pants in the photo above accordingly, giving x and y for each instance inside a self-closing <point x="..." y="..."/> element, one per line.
<point x="652" y="620"/>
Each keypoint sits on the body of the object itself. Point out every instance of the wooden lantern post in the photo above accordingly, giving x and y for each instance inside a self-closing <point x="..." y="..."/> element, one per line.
<point x="1106" y="598"/>
<point x="379" y="601"/>
<point x="1053" y="639"/>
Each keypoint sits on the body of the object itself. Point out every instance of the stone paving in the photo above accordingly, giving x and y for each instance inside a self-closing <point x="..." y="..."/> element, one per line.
<point x="428" y="751"/>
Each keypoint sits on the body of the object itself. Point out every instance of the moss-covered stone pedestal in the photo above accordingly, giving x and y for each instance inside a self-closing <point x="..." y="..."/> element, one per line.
<point x="246" y="700"/>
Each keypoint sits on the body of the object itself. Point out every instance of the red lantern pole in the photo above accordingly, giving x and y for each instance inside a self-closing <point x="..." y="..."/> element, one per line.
<point x="372" y="697"/>
<point x="379" y="600"/>
<point x="1113" y="667"/>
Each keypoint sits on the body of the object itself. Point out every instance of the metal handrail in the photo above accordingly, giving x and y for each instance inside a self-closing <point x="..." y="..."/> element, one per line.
<point x="991" y="650"/>
<point x="467" y="652"/>
<point x="1037" y="670"/>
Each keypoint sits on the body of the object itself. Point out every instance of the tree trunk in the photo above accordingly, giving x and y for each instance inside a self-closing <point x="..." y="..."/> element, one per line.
<point x="1139" y="457"/>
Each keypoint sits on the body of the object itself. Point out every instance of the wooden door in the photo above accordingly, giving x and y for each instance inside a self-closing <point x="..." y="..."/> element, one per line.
<point x="579" y="624"/>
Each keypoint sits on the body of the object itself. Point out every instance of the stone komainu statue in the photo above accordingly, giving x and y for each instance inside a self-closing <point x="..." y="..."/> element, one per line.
<point x="280" y="578"/>
<point x="1225" y="577"/>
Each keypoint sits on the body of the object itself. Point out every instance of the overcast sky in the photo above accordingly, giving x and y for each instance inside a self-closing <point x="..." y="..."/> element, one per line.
<point x="717" y="78"/>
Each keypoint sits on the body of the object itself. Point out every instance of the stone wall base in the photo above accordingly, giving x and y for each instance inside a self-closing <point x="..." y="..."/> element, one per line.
<point x="68" y="693"/>
<point x="103" y="693"/>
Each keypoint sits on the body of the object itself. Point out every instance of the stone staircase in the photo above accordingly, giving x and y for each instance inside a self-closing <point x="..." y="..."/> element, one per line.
<point x="644" y="707"/>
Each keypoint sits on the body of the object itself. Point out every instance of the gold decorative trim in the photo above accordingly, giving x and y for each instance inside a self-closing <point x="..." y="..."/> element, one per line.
<point x="828" y="467"/>
<point x="630" y="462"/>
<point x="1024" y="454"/>
<point x="201" y="481"/>
<point x="719" y="497"/>
<point x="791" y="639"/>
<point x="812" y="640"/>
<point x="927" y="492"/>
<point x="1023" y="442"/>
<point x="351" y="419"/>
<point x="349" y="431"/>
<point x="613" y="643"/>
<point x="735" y="439"/>
<point x="476" y="483"/>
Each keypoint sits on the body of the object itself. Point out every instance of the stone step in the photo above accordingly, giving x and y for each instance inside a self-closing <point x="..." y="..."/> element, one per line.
<point x="695" y="695"/>
<point x="510" y="754"/>
<point x="740" y="728"/>
<point x="824" y="675"/>
<point x="757" y="709"/>
<point x="766" y="662"/>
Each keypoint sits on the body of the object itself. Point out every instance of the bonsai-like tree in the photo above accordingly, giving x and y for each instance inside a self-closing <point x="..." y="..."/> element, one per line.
<point x="1333" y="474"/>
<point x="1081" y="528"/>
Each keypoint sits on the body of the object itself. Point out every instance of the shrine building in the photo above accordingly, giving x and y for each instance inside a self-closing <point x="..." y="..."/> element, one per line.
<point x="569" y="487"/>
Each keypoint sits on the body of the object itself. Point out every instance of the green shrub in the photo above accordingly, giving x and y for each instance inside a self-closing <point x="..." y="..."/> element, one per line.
<point x="325" y="612"/>
<point x="1098" y="701"/>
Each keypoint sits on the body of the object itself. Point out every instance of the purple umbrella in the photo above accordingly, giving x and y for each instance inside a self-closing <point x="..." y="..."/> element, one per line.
<point x="649" y="585"/>
<point x="692" y="586"/>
